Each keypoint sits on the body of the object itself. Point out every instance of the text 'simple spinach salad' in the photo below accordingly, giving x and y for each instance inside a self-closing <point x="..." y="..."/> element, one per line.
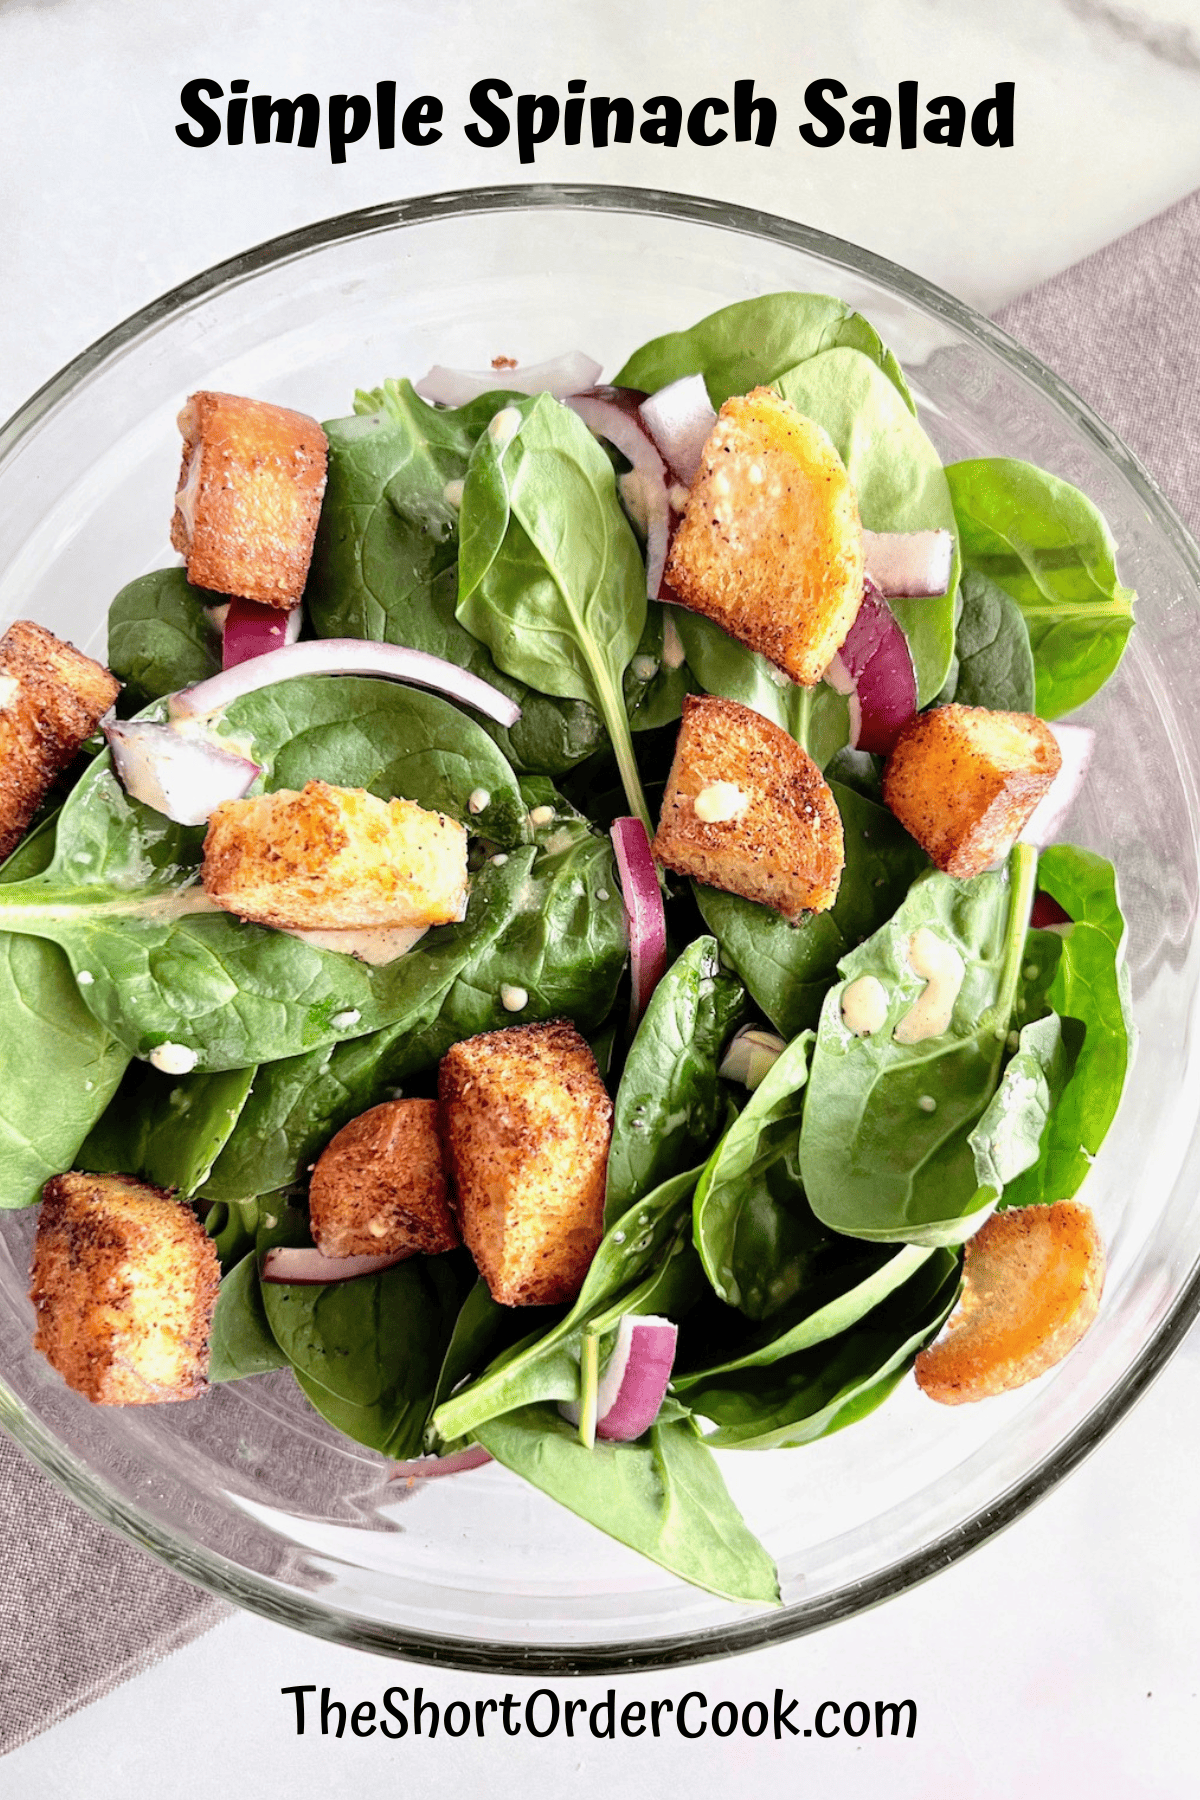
<point x="555" y="950"/>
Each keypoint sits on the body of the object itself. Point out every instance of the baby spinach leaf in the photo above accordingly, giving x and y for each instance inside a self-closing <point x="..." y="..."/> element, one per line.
<point x="897" y="475"/>
<point x="653" y="692"/>
<point x="662" y="1495"/>
<point x="1048" y="547"/>
<point x="995" y="661"/>
<point x="884" y="1150"/>
<point x="384" y="563"/>
<point x="162" y="636"/>
<point x="670" y="1102"/>
<point x="233" y="1225"/>
<point x="789" y="968"/>
<point x="1007" y="1138"/>
<point x="817" y="717"/>
<point x="242" y="1343"/>
<point x="168" y="1131"/>
<point x="550" y="574"/>
<point x="1085" y="886"/>
<point x="754" y="341"/>
<point x="48" y="1031"/>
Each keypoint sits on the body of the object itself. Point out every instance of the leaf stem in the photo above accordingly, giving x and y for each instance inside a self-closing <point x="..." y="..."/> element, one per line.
<point x="589" y="1388"/>
<point x="1022" y="874"/>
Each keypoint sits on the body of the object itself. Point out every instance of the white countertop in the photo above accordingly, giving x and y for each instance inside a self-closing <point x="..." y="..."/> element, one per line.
<point x="1064" y="1656"/>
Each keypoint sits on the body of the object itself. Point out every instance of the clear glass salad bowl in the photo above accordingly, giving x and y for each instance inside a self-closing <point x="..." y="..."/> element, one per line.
<point x="247" y="1491"/>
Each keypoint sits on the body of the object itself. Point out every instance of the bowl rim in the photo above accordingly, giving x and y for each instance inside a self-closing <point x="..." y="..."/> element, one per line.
<point x="308" y="1612"/>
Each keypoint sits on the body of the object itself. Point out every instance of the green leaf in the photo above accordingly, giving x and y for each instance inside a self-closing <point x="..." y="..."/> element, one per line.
<point x="995" y="661"/>
<point x="168" y="1131"/>
<point x="242" y="1343"/>
<point x="662" y="1495"/>
<point x="1007" y="1138"/>
<point x="817" y="717"/>
<point x="1048" y="547"/>
<point x="162" y="636"/>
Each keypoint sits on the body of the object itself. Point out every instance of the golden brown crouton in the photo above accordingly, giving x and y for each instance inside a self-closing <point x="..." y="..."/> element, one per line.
<point x="771" y="546"/>
<point x="526" y="1121"/>
<point x="963" y="781"/>
<point x="249" y="496"/>
<point x="52" y="697"/>
<point x="124" y="1280"/>
<point x="332" y="858"/>
<point x="1032" y="1279"/>
<point x="379" y="1187"/>
<point x="747" y="810"/>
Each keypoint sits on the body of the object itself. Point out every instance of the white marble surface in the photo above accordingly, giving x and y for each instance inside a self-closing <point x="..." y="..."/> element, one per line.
<point x="1064" y="1656"/>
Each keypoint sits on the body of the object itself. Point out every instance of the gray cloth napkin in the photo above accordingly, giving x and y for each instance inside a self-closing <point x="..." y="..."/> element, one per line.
<point x="81" y="1609"/>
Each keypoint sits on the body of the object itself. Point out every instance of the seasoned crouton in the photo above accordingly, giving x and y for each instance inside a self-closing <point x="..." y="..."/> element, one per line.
<point x="124" y="1280"/>
<point x="379" y="1187"/>
<point x="1032" y="1279"/>
<point x="249" y="497"/>
<point x="963" y="781"/>
<point x="526" y="1122"/>
<point x="747" y="810"/>
<point x="52" y="697"/>
<point x="332" y="858"/>
<point x="771" y="546"/>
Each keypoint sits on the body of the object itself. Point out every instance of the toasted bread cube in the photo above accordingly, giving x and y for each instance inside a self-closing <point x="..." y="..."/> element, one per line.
<point x="1032" y="1280"/>
<point x="379" y="1187"/>
<point x="963" y="781"/>
<point x="771" y="545"/>
<point x="526" y="1121"/>
<point x="332" y="858"/>
<point x="747" y="810"/>
<point x="52" y="697"/>
<point x="124" y="1280"/>
<point x="249" y="497"/>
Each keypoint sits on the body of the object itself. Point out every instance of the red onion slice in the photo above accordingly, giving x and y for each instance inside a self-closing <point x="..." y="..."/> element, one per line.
<point x="1045" y="822"/>
<point x="909" y="564"/>
<point x="644" y="912"/>
<point x="1047" y="913"/>
<point x="560" y="376"/>
<point x="874" y="668"/>
<point x="305" y="1267"/>
<point x="184" y="778"/>
<point x="680" y="419"/>
<point x="613" y="413"/>
<point x="428" y="1468"/>
<point x="344" y="656"/>
<point x="634" y="1384"/>
<point x="252" y="629"/>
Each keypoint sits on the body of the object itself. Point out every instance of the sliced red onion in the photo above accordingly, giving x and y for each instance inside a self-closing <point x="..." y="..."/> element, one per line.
<point x="252" y="629"/>
<point x="613" y="413"/>
<point x="185" y="778"/>
<point x="680" y="419"/>
<point x="560" y="376"/>
<point x="306" y="1267"/>
<point x="1045" y="822"/>
<point x="909" y="564"/>
<point x="634" y="1384"/>
<point x="644" y="913"/>
<point x="344" y="656"/>
<point x="874" y="669"/>
<point x="427" y="1468"/>
<point x="1047" y="913"/>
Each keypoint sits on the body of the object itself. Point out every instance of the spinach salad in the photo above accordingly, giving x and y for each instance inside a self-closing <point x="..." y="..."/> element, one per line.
<point x="804" y="1234"/>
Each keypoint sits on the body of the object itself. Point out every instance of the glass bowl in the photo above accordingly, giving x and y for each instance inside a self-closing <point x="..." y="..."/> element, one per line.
<point x="246" y="1491"/>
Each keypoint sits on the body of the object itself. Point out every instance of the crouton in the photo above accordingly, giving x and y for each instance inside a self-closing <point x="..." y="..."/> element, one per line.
<point x="1032" y="1279"/>
<point x="379" y="1187"/>
<point x="52" y="697"/>
<point x="526" y="1122"/>
<point x="124" y="1281"/>
<point x="963" y="781"/>
<point x="747" y="810"/>
<point x="332" y="858"/>
<point x="249" y="497"/>
<point x="771" y="545"/>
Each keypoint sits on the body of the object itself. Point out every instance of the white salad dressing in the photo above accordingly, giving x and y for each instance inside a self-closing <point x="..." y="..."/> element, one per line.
<point x="174" y="1059"/>
<point x="513" y="998"/>
<point x="504" y="427"/>
<point x="373" y="944"/>
<point x="478" y="800"/>
<point x="941" y="968"/>
<point x="864" y="1006"/>
<point x="674" y="654"/>
<point x="542" y="815"/>
<point x="719" y="802"/>
<point x="453" y="491"/>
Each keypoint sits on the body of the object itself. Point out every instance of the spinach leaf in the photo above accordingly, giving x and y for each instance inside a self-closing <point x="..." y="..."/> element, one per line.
<point x="899" y="479"/>
<point x="670" y="1102"/>
<point x="817" y="717"/>
<point x="884" y="1150"/>
<point x="233" y="1225"/>
<point x="550" y="574"/>
<point x="662" y="1495"/>
<point x="1085" y="886"/>
<point x="814" y="1392"/>
<point x="1007" y="1139"/>
<point x="753" y="342"/>
<point x="162" y="636"/>
<point x="1048" y="547"/>
<point x="995" y="661"/>
<point x="242" y="1343"/>
<point x="384" y="561"/>
<point x="789" y="968"/>
<point x="168" y="1131"/>
<point x="652" y="691"/>
<point x="48" y="1032"/>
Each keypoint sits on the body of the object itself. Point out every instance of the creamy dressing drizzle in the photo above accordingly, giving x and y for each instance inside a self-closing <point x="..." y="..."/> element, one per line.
<point x="941" y="968"/>
<point x="864" y="1006"/>
<point x="373" y="944"/>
